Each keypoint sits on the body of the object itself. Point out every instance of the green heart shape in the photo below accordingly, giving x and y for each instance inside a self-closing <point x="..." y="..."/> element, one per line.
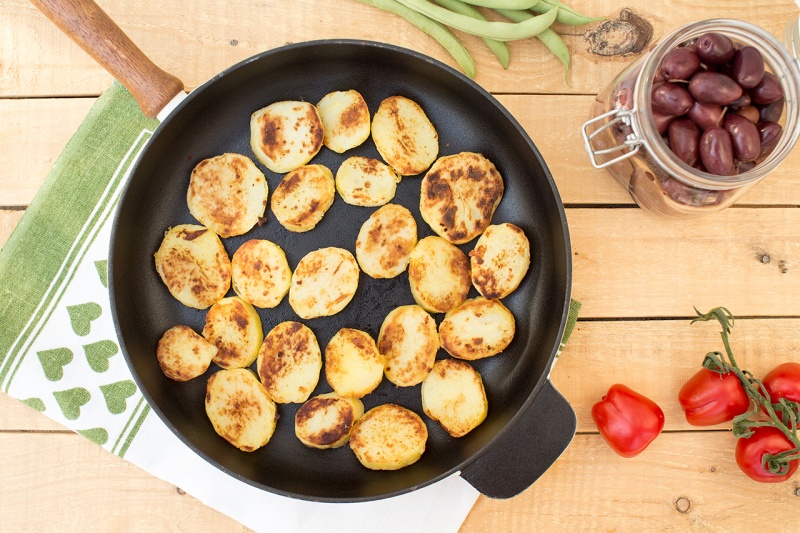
<point x="54" y="361"/>
<point x="71" y="400"/>
<point x="102" y="271"/>
<point x="34" y="403"/>
<point x="98" y="354"/>
<point x="116" y="394"/>
<point x="96" y="435"/>
<point x="82" y="315"/>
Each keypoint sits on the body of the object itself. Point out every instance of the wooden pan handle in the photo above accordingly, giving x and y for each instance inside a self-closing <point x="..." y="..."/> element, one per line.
<point x="94" y="31"/>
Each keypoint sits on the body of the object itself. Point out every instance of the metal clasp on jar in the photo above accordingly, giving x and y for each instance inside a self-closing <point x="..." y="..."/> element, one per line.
<point x="630" y="145"/>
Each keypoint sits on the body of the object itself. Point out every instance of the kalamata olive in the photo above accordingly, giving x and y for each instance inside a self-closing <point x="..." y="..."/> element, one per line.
<point x="662" y="121"/>
<point x="706" y="115"/>
<point x="748" y="67"/>
<point x="750" y="113"/>
<point x="767" y="91"/>
<point x="745" y="166"/>
<point x="714" y="88"/>
<point x="680" y="64"/>
<point x="671" y="98"/>
<point x="716" y="151"/>
<point x="684" y="139"/>
<point x="744" y="137"/>
<point x="772" y="112"/>
<point x="769" y="134"/>
<point x="742" y="101"/>
<point x="715" y="48"/>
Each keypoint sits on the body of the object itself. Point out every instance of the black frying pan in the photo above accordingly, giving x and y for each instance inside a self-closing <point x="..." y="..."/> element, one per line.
<point x="529" y="423"/>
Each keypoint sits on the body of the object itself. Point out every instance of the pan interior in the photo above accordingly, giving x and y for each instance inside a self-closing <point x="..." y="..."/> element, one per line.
<point x="215" y="120"/>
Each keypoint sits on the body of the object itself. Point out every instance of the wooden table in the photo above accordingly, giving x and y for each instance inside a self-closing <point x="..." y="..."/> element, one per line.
<point x="637" y="276"/>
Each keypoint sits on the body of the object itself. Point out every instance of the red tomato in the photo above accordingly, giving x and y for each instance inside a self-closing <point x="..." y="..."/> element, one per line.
<point x="783" y="381"/>
<point x="710" y="398"/>
<point x="627" y="420"/>
<point x="750" y="451"/>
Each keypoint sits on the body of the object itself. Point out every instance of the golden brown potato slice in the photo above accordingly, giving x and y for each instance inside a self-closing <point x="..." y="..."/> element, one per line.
<point x="366" y="182"/>
<point x="303" y="197"/>
<point x="194" y="265"/>
<point x="240" y="409"/>
<point x="353" y="364"/>
<point x="183" y="354"/>
<point x="286" y="135"/>
<point x="289" y="362"/>
<point x="438" y="274"/>
<point x="404" y="135"/>
<point x="261" y="274"/>
<point x="453" y="395"/>
<point x="389" y="437"/>
<point x="500" y="260"/>
<point x="385" y="241"/>
<point x="408" y="340"/>
<point x="459" y="195"/>
<point x="345" y="119"/>
<point x="234" y="327"/>
<point x="325" y="421"/>
<point x="323" y="283"/>
<point x="227" y="194"/>
<point x="476" y="329"/>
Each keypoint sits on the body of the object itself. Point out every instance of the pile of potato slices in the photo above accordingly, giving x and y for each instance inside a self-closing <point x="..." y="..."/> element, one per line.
<point x="228" y="196"/>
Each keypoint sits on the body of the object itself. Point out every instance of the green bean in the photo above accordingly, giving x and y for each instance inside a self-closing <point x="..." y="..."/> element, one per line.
<point x="549" y="38"/>
<point x="498" y="48"/>
<point x="441" y="34"/>
<point x="566" y="15"/>
<point x="502" y="31"/>
<point x="503" y="4"/>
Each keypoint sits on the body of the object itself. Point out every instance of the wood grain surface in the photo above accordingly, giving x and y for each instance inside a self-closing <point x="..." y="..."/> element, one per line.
<point x="637" y="275"/>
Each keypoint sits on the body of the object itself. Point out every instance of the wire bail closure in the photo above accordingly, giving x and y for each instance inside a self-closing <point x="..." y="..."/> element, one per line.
<point x="632" y="141"/>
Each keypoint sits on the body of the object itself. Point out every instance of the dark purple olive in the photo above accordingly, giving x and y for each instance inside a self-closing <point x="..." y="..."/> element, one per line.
<point x="684" y="140"/>
<point x="745" y="166"/>
<point x="744" y="137"/>
<point x="662" y="121"/>
<point x="679" y="64"/>
<point x="706" y="115"/>
<point x="772" y="112"/>
<point x="716" y="151"/>
<point x="750" y="113"/>
<point x="769" y="134"/>
<point x="671" y="99"/>
<point x="742" y="101"/>
<point x="714" y="88"/>
<point x="767" y="91"/>
<point x="748" y="67"/>
<point x="715" y="48"/>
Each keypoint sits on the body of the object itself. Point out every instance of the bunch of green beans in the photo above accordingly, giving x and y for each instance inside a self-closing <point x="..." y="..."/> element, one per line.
<point x="529" y="18"/>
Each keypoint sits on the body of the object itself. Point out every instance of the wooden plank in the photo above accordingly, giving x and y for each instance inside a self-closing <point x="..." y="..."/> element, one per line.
<point x="195" y="42"/>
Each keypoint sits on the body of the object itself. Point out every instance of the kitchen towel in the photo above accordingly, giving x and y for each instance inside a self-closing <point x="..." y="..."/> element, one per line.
<point x="59" y="353"/>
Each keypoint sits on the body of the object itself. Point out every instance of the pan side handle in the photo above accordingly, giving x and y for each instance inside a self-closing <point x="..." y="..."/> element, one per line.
<point x="94" y="31"/>
<point x="527" y="449"/>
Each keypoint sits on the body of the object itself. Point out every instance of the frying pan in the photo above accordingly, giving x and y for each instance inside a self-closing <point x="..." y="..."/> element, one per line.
<point x="529" y="423"/>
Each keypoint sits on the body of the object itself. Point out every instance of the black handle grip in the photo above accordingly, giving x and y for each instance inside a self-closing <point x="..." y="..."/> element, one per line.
<point x="527" y="449"/>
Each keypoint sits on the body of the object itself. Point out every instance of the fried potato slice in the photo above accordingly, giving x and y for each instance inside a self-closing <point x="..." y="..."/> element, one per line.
<point x="234" y="327"/>
<point x="385" y="241"/>
<point x="500" y="260"/>
<point x="286" y="135"/>
<point x="454" y="396"/>
<point x="303" y="197"/>
<point x="404" y="135"/>
<point x="289" y="362"/>
<point x="194" y="265"/>
<point x="366" y="182"/>
<point x="438" y="274"/>
<point x="240" y="409"/>
<point x="345" y="119"/>
<point x="408" y="341"/>
<point x="476" y="329"/>
<point x="183" y="354"/>
<point x="325" y="421"/>
<point x="323" y="282"/>
<point x="389" y="437"/>
<point x="260" y="273"/>
<point x="353" y="364"/>
<point x="459" y="195"/>
<point x="227" y="194"/>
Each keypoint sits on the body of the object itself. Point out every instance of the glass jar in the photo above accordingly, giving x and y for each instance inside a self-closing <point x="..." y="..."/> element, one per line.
<point x="623" y="136"/>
